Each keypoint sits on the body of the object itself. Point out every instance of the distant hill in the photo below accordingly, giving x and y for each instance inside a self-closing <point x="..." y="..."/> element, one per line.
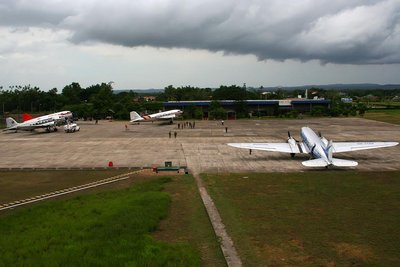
<point x="338" y="86"/>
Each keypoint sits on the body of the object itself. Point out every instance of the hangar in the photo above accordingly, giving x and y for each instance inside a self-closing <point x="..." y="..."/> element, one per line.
<point x="256" y="107"/>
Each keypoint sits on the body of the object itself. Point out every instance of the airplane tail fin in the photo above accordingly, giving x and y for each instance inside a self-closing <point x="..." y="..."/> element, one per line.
<point x="343" y="163"/>
<point x="334" y="161"/>
<point x="135" y="116"/>
<point x="26" y="117"/>
<point x="315" y="163"/>
<point x="10" y="122"/>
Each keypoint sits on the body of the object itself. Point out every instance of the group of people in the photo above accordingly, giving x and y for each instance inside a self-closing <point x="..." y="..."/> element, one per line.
<point x="186" y="124"/>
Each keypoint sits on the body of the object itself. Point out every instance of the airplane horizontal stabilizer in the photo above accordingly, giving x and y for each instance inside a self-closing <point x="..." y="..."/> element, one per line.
<point x="343" y="163"/>
<point x="315" y="163"/>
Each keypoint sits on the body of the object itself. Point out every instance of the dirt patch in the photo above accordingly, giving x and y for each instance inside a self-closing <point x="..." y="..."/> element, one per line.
<point x="358" y="252"/>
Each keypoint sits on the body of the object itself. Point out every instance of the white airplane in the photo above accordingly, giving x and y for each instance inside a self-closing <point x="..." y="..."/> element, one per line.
<point x="317" y="146"/>
<point x="165" y="115"/>
<point x="49" y="122"/>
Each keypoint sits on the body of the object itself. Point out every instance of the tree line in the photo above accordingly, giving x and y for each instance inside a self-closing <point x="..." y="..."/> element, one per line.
<point x="96" y="101"/>
<point x="99" y="100"/>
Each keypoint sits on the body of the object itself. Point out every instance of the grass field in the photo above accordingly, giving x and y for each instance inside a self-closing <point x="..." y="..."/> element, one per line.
<point x="146" y="221"/>
<point x="385" y="115"/>
<point x="188" y="221"/>
<point x="311" y="219"/>
<point x="23" y="184"/>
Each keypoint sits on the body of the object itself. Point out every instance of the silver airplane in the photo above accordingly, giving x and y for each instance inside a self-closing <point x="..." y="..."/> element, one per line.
<point x="320" y="149"/>
<point x="48" y="122"/>
<point x="165" y="115"/>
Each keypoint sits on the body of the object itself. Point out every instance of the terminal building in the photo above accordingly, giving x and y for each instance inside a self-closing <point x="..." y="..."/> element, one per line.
<point x="256" y="108"/>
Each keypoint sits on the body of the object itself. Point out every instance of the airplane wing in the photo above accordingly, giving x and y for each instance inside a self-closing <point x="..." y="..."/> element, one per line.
<point x="274" y="147"/>
<point x="354" y="146"/>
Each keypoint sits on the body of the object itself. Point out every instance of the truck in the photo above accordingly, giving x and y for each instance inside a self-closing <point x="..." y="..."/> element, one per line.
<point x="71" y="128"/>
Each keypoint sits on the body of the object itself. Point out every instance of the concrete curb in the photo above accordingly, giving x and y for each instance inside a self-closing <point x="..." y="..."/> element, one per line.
<point x="226" y="243"/>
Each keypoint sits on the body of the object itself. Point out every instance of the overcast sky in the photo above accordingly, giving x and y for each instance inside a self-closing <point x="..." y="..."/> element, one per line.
<point x="205" y="43"/>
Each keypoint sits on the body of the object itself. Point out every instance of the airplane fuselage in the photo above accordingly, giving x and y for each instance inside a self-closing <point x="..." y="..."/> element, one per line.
<point x="161" y="115"/>
<point x="165" y="115"/>
<point x="49" y="122"/>
<point x="316" y="147"/>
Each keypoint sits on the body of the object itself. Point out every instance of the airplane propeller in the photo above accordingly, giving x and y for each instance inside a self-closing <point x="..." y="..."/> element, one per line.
<point x="290" y="136"/>
<point x="312" y="150"/>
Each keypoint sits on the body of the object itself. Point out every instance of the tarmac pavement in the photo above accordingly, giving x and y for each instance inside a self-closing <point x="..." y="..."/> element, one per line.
<point x="202" y="149"/>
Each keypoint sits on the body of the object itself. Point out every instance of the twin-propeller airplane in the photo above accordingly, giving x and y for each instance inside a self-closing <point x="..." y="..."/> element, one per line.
<point x="169" y="115"/>
<point x="318" y="147"/>
<point x="48" y="122"/>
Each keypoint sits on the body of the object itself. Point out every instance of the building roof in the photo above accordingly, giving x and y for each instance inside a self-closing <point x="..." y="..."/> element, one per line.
<point x="249" y="102"/>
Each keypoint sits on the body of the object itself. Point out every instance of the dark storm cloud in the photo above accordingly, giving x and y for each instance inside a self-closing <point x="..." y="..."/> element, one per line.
<point x="17" y="13"/>
<point x="354" y="32"/>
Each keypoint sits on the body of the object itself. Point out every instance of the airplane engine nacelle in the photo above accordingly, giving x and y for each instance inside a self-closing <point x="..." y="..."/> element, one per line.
<point x="292" y="144"/>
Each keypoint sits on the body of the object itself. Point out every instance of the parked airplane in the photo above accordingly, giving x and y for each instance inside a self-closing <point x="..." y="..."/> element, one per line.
<point x="318" y="147"/>
<point x="49" y="122"/>
<point x="165" y="115"/>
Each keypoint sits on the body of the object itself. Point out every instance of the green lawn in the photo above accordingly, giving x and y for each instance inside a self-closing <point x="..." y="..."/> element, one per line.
<point x="188" y="221"/>
<point x="385" y="115"/>
<point x="319" y="218"/>
<point x="99" y="229"/>
<point x="17" y="185"/>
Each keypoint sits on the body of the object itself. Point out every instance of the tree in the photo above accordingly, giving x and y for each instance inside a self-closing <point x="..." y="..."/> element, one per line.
<point x="216" y="111"/>
<point x="103" y="100"/>
<point x="241" y="109"/>
<point x="193" y="112"/>
<point x="72" y="92"/>
<point x="361" y="107"/>
<point x="232" y="92"/>
<point x="318" y="111"/>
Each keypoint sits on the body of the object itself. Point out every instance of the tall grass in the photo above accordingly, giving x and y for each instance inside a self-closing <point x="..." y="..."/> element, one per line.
<point x="103" y="229"/>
